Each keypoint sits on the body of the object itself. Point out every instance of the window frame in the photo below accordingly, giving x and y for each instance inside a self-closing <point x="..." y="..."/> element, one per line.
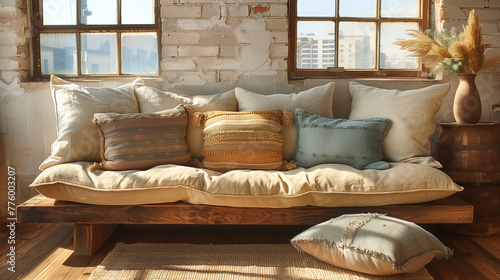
<point x="39" y="28"/>
<point x="295" y="73"/>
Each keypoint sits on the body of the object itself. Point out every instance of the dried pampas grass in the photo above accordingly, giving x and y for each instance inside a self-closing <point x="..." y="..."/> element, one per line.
<point x="471" y="48"/>
<point x="424" y="47"/>
<point x="468" y="47"/>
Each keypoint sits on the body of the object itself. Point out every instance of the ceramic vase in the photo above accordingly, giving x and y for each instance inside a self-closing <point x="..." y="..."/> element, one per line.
<point x="467" y="103"/>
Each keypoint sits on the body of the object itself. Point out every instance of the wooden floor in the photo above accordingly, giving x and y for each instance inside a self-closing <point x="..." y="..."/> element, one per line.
<point x="44" y="251"/>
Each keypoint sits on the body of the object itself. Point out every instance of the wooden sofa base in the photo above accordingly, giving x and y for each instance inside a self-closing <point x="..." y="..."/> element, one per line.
<point x="95" y="223"/>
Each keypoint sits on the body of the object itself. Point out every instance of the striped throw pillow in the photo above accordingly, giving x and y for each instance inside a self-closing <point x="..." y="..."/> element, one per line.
<point x="142" y="141"/>
<point x="242" y="140"/>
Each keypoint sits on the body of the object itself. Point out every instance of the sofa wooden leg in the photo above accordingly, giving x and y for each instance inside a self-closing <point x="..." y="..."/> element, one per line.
<point x="89" y="237"/>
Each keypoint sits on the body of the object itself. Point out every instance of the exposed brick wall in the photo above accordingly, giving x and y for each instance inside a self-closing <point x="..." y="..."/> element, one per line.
<point x="208" y="42"/>
<point x="14" y="41"/>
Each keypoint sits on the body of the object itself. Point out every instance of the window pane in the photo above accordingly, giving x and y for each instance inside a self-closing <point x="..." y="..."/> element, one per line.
<point x="58" y="53"/>
<point x="99" y="12"/>
<point x="357" y="45"/>
<point x="315" y="44"/>
<point x="99" y="53"/>
<point x="56" y="12"/>
<point x="400" y="8"/>
<point x="139" y="53"/>
<point x="315" y="8"/>
<point x="358" y="8"/>
<point x="391" y="57"/>
<point x="138" y="12"/>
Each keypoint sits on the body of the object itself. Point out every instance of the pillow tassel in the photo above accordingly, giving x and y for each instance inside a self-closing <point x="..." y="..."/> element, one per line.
<point x="288" y="118"/>
<point x="96" y="166"/>
<point x="194" y="162"/>
<point x="289" y="165"/>
<point x="195" y="118"/>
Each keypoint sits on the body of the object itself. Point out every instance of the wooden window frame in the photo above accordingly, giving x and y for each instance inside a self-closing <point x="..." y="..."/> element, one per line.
<point x="294" y="73"/>
<point x="38" y="28"/>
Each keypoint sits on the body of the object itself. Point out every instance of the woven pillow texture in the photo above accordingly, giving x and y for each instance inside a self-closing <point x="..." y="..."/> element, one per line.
<point x="357" y="143"/>
<point x="143" y="140"/>
<point x="242" y="140"/>
<point x="371" y="243"/>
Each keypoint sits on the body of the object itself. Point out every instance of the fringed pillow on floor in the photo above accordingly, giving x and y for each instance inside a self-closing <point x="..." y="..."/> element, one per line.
<point x="371" y="243"/>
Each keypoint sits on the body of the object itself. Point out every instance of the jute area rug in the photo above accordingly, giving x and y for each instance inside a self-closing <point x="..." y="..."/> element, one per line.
<point x="223" y="262"/>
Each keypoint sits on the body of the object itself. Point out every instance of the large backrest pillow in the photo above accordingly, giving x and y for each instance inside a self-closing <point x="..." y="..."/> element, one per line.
<point x="318" y="100"/>
<point x="153" y="100"/>
<point x="142" y="140"/>
<point x="75" y="106"/>
<point x="357" y="143"/>
<point x="413" y="116"/>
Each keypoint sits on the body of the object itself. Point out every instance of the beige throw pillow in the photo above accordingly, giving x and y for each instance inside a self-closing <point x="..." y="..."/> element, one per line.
<point x="413" y="116"/>
<point x="75" y="106"/>
<point x="153" y="100"/>
<point x="318" y="100"/>
<point x="371" y="243"/>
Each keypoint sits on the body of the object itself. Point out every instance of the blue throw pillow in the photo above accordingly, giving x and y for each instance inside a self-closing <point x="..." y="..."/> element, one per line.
<point x="357" y="143"/>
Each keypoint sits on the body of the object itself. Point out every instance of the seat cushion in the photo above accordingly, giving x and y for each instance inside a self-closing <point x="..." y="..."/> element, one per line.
<point x="332" y="185"/>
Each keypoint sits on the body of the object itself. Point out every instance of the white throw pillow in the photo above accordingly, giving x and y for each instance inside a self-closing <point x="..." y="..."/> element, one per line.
<point x="318" y="100"/>
<point x="371" y="243"/>
<point x="413" y="116"/>
<point x="75" y="106"/>
<point x="154" y="100"/>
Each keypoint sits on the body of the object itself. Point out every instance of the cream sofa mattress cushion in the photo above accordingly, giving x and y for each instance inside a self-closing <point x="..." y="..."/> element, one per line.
<point x="330" y="185"/>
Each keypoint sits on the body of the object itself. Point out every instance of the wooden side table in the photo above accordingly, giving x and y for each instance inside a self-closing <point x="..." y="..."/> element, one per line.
<point x="470" y="155"/>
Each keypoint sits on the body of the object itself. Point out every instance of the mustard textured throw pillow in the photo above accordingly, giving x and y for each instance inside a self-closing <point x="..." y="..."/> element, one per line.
<point x="142" y="141"/>
<point x="243" y="140"/>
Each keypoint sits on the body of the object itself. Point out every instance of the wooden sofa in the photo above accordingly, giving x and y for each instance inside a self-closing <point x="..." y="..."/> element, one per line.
<point x="65" y="173"/>
<point x="93" y="224"/>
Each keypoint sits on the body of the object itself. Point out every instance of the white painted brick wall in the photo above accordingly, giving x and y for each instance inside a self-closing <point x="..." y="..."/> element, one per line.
<point x="14" y="41"/>
<point x="232" y="39"/>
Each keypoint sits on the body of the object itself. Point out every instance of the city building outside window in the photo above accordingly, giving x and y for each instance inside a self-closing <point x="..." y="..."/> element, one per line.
<point x="359" y="35"/>
<point x="95" y="37"/>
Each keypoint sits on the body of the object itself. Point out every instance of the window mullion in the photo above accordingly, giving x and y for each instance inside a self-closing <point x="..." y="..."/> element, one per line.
<point x="119" y="51"/>
<point x="378" y="31"/>
<point x="119" y="11"/>
<point x="78" y="53"/>
<point x="336" y="33"/>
